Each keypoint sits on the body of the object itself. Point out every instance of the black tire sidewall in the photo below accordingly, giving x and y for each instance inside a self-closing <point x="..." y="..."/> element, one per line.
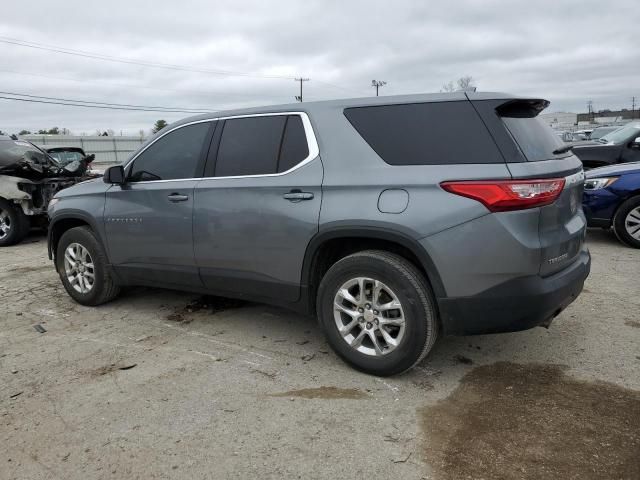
<point x="416" y="328"/>
<point x="84" y="237"/>
<point x="619" y="222"/>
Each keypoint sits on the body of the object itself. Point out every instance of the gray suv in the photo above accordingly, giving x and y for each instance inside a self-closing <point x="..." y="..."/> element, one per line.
<point x="396" y="220"/>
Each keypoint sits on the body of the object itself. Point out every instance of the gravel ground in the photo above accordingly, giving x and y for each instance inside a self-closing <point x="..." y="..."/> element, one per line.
<point x="161" y="384"/>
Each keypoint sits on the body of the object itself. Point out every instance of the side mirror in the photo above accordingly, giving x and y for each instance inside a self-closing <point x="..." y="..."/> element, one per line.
<point x="90" y="158"/>
<point x="114" y="175"/>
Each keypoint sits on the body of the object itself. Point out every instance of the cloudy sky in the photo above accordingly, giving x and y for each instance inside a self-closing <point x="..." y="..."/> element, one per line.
<point x="241" y="53"/>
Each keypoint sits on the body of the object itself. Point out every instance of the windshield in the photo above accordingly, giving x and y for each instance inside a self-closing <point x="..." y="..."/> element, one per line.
<point x="602" y="131"/>
<point x="622" y="135"/>
<point x="64" y="158"/>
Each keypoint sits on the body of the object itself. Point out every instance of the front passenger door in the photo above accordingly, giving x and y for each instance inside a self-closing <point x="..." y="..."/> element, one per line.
<point x="149" y="219"/>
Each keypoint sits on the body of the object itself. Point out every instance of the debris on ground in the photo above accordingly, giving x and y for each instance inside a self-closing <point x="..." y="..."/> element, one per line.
<point x="16" y="394"/>
<point x="308" y="357"/>
<point x="39" y="328"/>
<point x="326" y="393"/>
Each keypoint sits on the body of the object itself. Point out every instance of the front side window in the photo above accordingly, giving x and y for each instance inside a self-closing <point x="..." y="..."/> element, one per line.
<point x="173" y="156"/>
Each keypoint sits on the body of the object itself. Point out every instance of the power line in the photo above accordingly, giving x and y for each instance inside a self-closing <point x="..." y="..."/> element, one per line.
<point x="101" y="106"/>
<point x="128" y="85"/>
<point x="109" y="58"/>
<point x="181" y="109"/>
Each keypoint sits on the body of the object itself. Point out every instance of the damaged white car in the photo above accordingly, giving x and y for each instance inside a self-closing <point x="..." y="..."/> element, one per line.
<point x="29" y="178"/>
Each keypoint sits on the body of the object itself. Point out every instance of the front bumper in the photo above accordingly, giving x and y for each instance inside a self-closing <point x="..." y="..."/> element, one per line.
<point x="517" y="304"/>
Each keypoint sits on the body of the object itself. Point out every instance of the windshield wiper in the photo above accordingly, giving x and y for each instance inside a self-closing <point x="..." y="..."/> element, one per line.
<point x="564" y="149"/>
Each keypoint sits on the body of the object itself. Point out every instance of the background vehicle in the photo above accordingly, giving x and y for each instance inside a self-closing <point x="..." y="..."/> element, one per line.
<point x="351" y="209"/>
<point x="600" y="132"/>
<point x="29" y="178"/>
<point x="612" y="200"/>
<point x="619" y="146"/>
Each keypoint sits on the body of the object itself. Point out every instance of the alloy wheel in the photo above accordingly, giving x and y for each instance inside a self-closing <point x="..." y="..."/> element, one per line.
<point x="79" y="268"/>
<point x="369" y="316"/>
<point x="632" y="223"/>
<point x="5" y="224"/>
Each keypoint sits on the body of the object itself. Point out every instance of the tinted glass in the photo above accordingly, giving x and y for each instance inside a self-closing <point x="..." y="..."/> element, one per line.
<point x="250" y="146"/>
<point x="294" y="144"/>
<point x="425" y="133"/>
<point x="173" y="156"/>
<point x="536" y="140"/>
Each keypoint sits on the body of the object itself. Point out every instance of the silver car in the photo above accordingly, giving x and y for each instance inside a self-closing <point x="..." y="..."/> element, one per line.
<point x="372" y="213"/>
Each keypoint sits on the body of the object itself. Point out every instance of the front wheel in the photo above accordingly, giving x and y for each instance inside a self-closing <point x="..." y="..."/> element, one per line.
<point x="82" y="266"/>
<point x="378" y="312"/>
<point x="626" y="223"/>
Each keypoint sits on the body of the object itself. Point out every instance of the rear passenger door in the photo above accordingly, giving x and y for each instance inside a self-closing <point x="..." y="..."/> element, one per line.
<point x="257" y="207"/>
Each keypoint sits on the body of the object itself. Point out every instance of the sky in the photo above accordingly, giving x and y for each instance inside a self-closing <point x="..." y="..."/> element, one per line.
<point x="239" y="53"/>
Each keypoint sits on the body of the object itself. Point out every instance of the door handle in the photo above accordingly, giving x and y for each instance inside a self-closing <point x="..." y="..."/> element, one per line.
<point x="177" y="197"/>
<point x="297" y="196"/>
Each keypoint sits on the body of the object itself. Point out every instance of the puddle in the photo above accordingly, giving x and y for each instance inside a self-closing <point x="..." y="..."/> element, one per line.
<point x="508" y="421"/>
<point x="325" y="393"/>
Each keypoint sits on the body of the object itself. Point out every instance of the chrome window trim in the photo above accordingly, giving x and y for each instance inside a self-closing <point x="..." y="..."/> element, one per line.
<point x="312" y="144"/>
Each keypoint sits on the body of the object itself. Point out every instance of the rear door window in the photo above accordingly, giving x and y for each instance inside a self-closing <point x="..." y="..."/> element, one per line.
<point x="434" y="133"/>
<point x="294" y="144"/>
<point x="250" y="146"/>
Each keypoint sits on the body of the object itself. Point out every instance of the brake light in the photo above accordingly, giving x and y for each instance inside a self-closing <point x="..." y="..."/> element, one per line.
<point x="506" y="195"/>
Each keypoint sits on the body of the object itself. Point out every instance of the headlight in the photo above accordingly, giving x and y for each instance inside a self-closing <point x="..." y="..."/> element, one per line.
<point x="598" y="183"/>
<point x="52" y="202"/>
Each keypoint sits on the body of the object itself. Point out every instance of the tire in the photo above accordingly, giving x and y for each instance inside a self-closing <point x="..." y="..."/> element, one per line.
<point x="397" y="279"/>
<point x="14" y="224"/>
<point x="626" y="223"/>
<point x="98" y="286"/>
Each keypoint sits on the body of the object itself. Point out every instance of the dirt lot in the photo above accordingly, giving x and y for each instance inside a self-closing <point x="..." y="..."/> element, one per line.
<point x="160" y="384"/>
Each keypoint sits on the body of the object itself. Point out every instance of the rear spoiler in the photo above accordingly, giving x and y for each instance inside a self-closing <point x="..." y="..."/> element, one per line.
<point x="522" y="108"/>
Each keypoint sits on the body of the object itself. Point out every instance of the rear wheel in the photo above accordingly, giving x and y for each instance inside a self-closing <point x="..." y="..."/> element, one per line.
<point x="14" y="224"/>
<point x="82" y="266"/>
<point x="626" y="223"/>
<point x="378" y="312"/>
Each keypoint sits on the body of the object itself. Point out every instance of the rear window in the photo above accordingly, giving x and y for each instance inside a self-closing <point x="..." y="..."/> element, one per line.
<point x="534" y="137"/>
<point x="425" y="133"/>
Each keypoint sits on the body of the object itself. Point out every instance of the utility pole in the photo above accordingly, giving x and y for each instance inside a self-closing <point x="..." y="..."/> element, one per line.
<point x="299" y="98"/>
<point x="378" y="84"/>
<point x="633" y="107"/>
<point x="590" y="109"/>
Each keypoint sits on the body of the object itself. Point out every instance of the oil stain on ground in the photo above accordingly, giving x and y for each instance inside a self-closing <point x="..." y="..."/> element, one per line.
<point x="326" y="393"/>
<point x="508" y="421"/>
<point x="632" y="323"/>
<point x="209" y="303"/>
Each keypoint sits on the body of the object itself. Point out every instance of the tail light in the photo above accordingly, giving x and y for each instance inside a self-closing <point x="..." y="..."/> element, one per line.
<point x="506" y="195"/>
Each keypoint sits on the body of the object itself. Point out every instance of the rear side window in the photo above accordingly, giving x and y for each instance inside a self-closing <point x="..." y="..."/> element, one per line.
<point x="261" y="145"/>
<point x="173" y="156"/>
<point x="536" y="140"/>
<point x="294" y="144"/>
<point x="250" y="146"/>
<point x="425" y="133"/>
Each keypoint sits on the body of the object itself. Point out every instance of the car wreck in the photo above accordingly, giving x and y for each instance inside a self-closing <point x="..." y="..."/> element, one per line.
<point x="29" y="178"/>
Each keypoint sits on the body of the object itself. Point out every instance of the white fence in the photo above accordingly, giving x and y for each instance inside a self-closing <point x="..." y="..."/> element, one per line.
<point x="106" y="149"/>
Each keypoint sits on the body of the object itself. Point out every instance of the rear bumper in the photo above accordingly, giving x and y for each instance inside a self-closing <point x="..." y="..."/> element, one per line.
<point x="517" y="304"/>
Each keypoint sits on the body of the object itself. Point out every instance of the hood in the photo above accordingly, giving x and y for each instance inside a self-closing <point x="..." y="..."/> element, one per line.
<point x="95" y="185"/>
<point x="613" y="170"/>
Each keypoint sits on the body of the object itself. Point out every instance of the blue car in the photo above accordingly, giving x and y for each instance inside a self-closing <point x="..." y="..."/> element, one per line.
<point x="612" y="200"/>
